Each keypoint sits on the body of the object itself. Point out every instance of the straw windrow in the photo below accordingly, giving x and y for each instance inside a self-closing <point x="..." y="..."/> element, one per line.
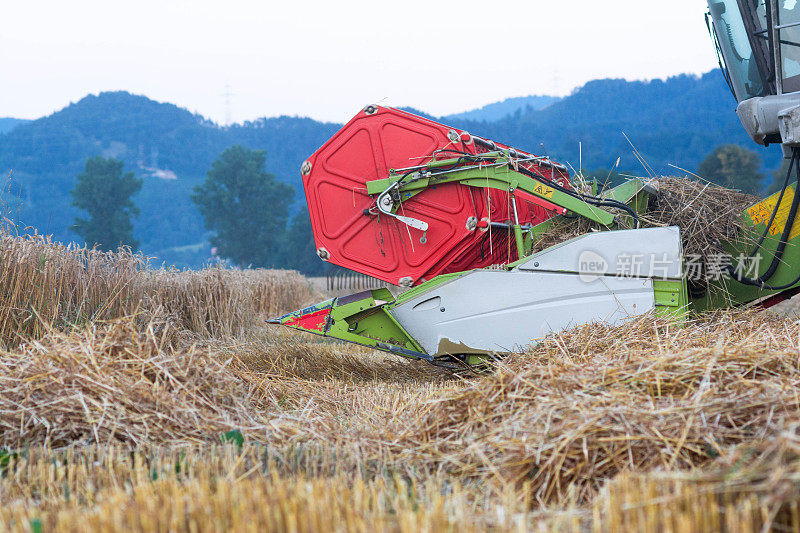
<point x="707" y="215"/>
<point x="595" y="402"/>
<point x="113" y="384"/>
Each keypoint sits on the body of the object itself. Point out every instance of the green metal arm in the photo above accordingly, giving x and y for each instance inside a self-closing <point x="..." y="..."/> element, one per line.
<point x="496" y="171"/>
<point x="499" y="175"/>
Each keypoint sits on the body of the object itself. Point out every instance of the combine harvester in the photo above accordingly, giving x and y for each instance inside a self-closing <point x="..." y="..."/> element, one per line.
<point x="454" y="218"/>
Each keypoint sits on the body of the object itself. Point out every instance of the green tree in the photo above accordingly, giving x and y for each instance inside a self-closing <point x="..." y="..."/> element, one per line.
<point x="779" y="177"/>
<point x="245" y="207"/>
<point x="733" y="166"/>
<point x="299" y="251"/>
<point x="105" y="193"/>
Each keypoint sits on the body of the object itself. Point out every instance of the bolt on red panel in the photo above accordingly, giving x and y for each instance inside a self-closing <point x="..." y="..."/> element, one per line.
<point x="349" y="233"/>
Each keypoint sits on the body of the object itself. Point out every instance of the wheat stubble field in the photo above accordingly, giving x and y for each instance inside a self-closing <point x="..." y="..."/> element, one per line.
<point x="156" y="400"/>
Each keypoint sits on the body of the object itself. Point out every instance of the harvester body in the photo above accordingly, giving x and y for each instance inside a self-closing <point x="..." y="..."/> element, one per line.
<point x="419" y="204"/>
<point x="454" y="218"/>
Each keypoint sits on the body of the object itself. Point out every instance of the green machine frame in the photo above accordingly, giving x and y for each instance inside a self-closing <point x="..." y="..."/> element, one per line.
<point x="365" y="319"/>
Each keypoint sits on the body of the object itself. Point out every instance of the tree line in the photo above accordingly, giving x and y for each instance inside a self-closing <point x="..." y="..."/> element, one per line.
<point x="247" y="210"/>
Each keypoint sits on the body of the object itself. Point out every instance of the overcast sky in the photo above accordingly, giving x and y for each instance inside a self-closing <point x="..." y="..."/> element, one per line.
<point x="328" y="59"/>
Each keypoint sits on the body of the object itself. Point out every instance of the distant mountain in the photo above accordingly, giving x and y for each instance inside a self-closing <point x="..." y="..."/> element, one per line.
<point x="676" y="121"/>
<point x="509" y="106"/>
<point x="169" y="147"/>
<point x="8" y="124"/>
<point x="417" y="112"/>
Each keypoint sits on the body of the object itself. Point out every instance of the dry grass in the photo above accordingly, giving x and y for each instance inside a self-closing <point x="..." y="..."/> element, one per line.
<point x="228" y="488"/>
<point x="532" y="445"/>
<point x="111" y="383"/>
<point x="597" y="401"/>
<point x="754" y="488"/>
<point x="305" y="357"/>
<point x="118" y="381"/>
<point x="45" y="286"/>
<point x="706" y="213"/>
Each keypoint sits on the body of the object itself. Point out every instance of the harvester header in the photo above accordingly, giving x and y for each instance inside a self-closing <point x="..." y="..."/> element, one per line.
<point x="460" y="221"/>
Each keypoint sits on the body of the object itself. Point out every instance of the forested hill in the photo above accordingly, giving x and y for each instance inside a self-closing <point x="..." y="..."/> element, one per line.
<point x="507" y="107"/>
<point x="169" y="147"/>
<point x="8" y="124"/>
<point x="678" y="121"/>
<point x="675" y="121"/>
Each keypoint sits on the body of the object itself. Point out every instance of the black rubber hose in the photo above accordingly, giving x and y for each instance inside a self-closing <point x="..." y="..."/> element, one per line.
<point x="592" y="200"/>
<point x="787" y="230"/>
<point x="777" y="287"/>
<point x="597" y="202"/>
<point x="794" y="160"/>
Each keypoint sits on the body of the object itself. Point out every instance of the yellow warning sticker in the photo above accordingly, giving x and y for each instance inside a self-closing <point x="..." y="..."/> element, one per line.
<point x="543" y="190"/>
<point x="760" y="213"/>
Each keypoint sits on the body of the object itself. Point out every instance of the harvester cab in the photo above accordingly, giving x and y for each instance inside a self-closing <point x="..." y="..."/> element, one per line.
<point x="758" y="43"/>
<point x="459" y="221"/>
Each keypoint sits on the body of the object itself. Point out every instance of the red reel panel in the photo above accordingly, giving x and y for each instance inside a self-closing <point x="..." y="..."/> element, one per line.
<point x="348" y="234"/>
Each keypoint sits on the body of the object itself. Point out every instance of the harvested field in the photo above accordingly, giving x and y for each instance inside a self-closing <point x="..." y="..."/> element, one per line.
<point x="158" y="400"/>
<point x="111" y="383"/>
<point x="592" y="403"/>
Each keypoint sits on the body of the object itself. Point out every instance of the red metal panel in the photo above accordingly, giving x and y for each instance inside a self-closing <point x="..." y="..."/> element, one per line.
<point x="314" y="321"/>
<point x="365" y="149"/>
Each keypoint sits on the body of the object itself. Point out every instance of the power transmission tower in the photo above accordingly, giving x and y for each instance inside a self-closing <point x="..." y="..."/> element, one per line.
<point x="228" y="101"/>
